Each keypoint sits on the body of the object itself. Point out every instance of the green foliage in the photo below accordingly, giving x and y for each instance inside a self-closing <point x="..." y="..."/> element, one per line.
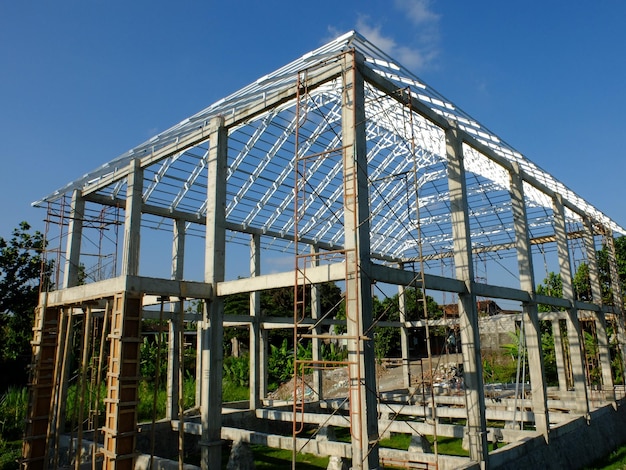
<point x="73" y="402"/>
<point x="234" y="392"/>
<point x="20" y="268"/>
<point x="553" y="287"/>
<point x="279" y="364"/>
<point x="387" y="339"/>
<point x="146" y="408"/>
<point x="549" y="358"/>
<point x="499" y="367"/>
<point x="146" y="399"/>
<point x="581" y="281"/>
<point x="13" y="407"/>
<point x="333" y="352"/>
<point x="154" y="349"/>
<point x="582" y="285"/>
<point x="591" y="354"/>
<point x="237" y="370"/>
<point x="10" y="453"/>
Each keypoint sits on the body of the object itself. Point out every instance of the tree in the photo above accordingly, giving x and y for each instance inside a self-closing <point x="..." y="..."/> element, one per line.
<point x="20" y="270"/>
<point x="552" y="286"/>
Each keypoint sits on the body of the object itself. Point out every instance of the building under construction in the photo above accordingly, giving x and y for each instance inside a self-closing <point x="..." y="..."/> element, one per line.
<point x="341" y="167"/>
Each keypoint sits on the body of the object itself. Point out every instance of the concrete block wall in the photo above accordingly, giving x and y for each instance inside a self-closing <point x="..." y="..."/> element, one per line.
<point x="572" y="445"/>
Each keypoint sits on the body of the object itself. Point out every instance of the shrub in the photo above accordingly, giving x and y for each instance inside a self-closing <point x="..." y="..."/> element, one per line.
<point x="13" y="408"/>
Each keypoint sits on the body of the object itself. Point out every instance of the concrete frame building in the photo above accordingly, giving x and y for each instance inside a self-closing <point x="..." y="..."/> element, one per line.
<point x="344" y="167"/>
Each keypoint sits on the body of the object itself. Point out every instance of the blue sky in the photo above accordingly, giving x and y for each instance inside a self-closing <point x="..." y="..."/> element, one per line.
<point x="83" y="81"/>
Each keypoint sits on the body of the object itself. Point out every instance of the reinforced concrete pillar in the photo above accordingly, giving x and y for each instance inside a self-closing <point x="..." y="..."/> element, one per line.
<point x="618" y="297"/>
<point x="74" y="239"/>
<point x="175" y="333"/>
<point x="213" y="322"/>
<point x="132" y="220"/>
<point x="529" y="309"/>
<point x="468" y="311"/>
<point x="404" y="336"/>
<point x="574" y="334"/>
<point x="257" y="366"/>
<point x="316" y="307"/>
<point x="599" y="318"/>
<point x="358" y="297"/>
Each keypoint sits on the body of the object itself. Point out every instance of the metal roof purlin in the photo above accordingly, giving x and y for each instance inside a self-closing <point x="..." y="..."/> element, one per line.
<point x="275" y="92"/>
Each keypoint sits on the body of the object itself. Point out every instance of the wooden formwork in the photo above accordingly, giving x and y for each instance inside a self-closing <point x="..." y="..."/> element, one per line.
<point x="122" y="383"/>
<point x="45" y="334"/>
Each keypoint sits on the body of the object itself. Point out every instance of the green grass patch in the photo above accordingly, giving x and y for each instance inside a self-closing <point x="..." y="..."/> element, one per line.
<point x="268" y="458"/>
<point x="616" y="460"/>
<point x="234" y="392"/>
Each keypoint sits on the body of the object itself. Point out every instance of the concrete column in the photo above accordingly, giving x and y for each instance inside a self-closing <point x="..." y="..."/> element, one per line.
<point x="574" y="334"/>
<point x="404" y="335"/>
<point x="468" y="311"/>
<point x="213" y="324"/>
<point x="263" y="355"/>
<point x="316" y="307"/>
<point x="600" y="320"/>
<point x="618" y="297"/>
<point x="358" y="298"/>
<point x="132" y="220"/>
<point x="529" y="310"/>
<point x="74" y="239"/>
<point x="257" y="367"/>
<point x="199" y="330"/>
<point x="175" y="341"/>
<point x="616" y="288"/>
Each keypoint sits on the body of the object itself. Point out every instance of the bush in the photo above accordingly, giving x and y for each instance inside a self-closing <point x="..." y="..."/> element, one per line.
<point x="10" y="453"/>
<point x="237" y="370"/>
<point x="13" y="408"/>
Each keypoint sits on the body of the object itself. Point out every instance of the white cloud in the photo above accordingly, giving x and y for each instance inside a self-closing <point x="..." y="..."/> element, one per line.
<point x="417" y="53"/>
<point x="414" y="58"/>
<point x="418" y="11"/>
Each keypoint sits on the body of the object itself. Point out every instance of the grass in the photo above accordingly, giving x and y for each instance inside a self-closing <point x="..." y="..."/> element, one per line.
<point x="445" y="445"/>
<point x="616" y="460"/>
<point x="269" y="458"/>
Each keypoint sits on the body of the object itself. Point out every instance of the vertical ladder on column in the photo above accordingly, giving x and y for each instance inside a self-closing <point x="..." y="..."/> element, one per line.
<point x="304" y="328"/>
<point x="40" y="388"/>
<point x="299" y="294"/>
<point x="122" y="384"/>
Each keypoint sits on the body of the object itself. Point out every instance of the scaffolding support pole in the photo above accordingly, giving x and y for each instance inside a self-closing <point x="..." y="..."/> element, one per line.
<point x="468" y="312"/>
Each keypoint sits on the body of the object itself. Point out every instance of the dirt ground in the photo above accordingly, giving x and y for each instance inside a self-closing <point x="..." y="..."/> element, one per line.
<point x="389" y="377"/>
